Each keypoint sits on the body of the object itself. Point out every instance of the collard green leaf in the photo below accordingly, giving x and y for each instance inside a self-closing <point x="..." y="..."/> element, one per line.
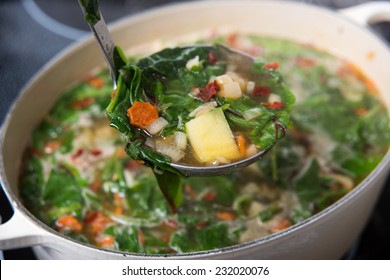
<point x="164" y="79"/>
<point x="62" y="194"/>
<point x="307" y="184"/>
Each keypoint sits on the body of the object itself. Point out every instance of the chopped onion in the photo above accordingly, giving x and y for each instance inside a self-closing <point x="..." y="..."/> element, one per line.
<point x="129" y="178"/>
<point x="181" y="140"/>
<point x="274" y="98"/>
<point x="220" y="160"/>
<point x="224" y="79"/>
<point x="251" y="150"/>
<point x="194" y="91"/>
<point x="192" y="62"/>
<point x="237" y="78"/>
<point x="180" y="123"/>
<point x="251" y="113"/>
<point x="156" y="126"/>
<point x="169" y="150"/>
<point x="250" y="86"/>
<point x="204" y="108"/>
<point x="150" y="143"/>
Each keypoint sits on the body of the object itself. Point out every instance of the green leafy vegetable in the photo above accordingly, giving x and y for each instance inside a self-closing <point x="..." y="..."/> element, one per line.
<point x="164" y="79"/>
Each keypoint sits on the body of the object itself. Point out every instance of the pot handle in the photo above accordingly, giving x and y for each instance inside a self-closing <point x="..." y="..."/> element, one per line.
<point x="20" y="231"/>
<point x="368" y="13"/>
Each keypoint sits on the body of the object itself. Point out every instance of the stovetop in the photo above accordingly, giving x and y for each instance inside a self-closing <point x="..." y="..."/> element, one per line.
<point x="33" y="31"/>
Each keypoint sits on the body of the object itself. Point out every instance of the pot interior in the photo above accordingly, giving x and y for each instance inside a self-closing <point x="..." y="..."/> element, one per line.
<point x="321" y="28"/>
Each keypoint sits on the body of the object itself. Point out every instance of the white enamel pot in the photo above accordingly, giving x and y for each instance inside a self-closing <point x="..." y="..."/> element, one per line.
<point x="327" y="235"/>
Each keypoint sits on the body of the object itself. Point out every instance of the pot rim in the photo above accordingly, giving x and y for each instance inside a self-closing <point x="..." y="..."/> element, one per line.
<point x="74" y="47"/>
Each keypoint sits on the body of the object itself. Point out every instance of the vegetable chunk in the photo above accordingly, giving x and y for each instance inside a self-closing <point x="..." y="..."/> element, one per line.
<point x="142" y="114"/>
<point x="211" y="138"/>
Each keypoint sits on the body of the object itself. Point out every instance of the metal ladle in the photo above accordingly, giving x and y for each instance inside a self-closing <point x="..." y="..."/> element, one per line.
<point x="236" y="58"/>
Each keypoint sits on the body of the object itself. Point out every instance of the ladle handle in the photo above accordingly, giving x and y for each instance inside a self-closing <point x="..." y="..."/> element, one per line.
<point x="103" y="37"/>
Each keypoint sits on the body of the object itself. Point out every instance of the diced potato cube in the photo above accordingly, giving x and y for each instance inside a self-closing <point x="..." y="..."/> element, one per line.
<point x="211" y="138"/>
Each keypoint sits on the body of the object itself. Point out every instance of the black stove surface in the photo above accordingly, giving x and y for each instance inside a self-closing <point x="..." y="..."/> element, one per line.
<point x="33" y="31"/>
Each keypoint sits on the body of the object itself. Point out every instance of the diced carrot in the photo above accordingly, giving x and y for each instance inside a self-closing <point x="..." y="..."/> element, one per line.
<point x="105" y="241"/>
<point x="226" y="216"/>
<point x="69" y="222"/>
<point x="142" y="114"/>
<point x="241" y="143"/>
<point x="165" y="238"/>
<point x="305" y="62"/>
<point x="52" y="146"/>
<point x="96" y="222"/>
<point x="121" y="153"/>
<point x="271" y="66"/>
<point x="352" y="69"/>
<point x="82" y="103"/>
<point x="232" y="39"/>
<point x="361" y="111"/>
<point x="96" y="82"/>
<point x="95" y="185"/>
<point x="190" y="191"/>
<point x="210" y="196"/>
<point x="283" y="224"/>
<point x="201" y="224"/>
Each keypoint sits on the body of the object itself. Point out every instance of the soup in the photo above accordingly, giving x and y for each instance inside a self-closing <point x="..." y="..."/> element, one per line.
<point x="226" y="108"/>
<point x="77" y="178"/>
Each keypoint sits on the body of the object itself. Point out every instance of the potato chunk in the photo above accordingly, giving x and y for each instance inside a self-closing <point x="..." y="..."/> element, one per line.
<point x="229" y="87"/>
<point x="211" y="138"/>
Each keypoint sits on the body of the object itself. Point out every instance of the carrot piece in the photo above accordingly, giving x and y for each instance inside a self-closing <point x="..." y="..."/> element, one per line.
<point x="271" y="66"/>
<point x="190" y="191"/>
<point x="165" y="238"/>
<point x="361" y="111"/>
<point x="241" y="143"/>
<point x="142" y="114"/>
<point x="96" y="222"/>
<point x="201" y="224"/>
<point x="69" y="222"/>
<point x="82" y="103"/>
<point x="52" y="146"/>
<point x="210" y="196"/>
<point x="283" y="224"/>
<point x="305" y="62"/>
<point x="96" y="82"/>
<point x="225" y="216"/>
<point x="105" y="241"/>
<point x="95" y="185"/>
